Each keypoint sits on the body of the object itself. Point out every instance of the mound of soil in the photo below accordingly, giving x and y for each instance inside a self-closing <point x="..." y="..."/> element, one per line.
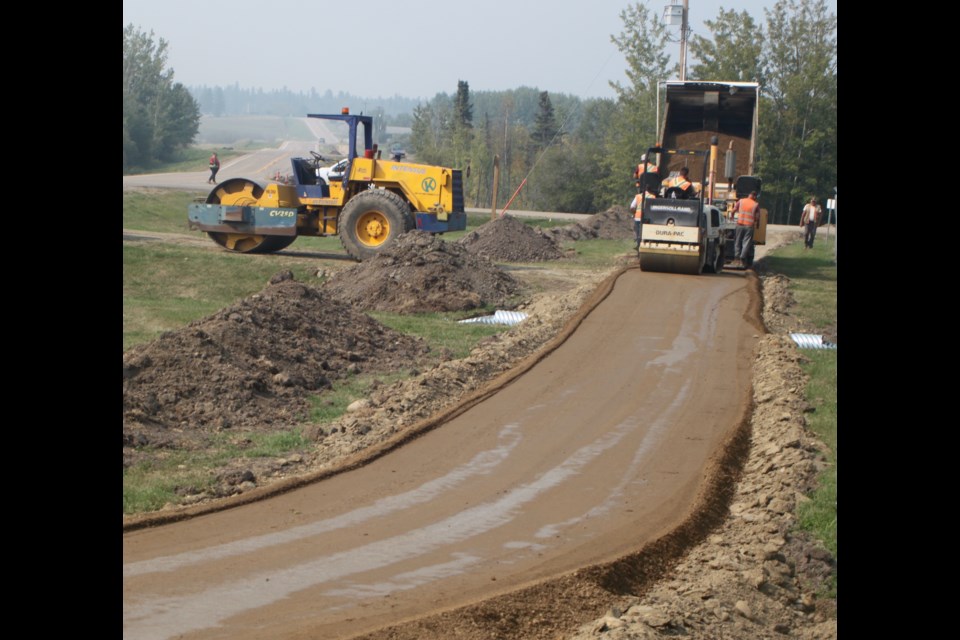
<point x="615" y="223"/>
<point x="508" y="239"/>
<point x="422" y="273"/>
<point x="253" y="364"/>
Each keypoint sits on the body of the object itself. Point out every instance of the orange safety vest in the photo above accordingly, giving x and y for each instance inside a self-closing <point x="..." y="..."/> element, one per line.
<point x="746" y="211"/>
<point x="651" y="168"/>
<point x="637" y="206"/>
<point x="678" y="181"/>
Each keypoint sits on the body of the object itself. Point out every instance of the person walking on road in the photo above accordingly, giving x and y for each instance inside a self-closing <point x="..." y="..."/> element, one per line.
<point x="214" y="167"/>
<point x="809" y="221"/>
<point x="745" y="212"/>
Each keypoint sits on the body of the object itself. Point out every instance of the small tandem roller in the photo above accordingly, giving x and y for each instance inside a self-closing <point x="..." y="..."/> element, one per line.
<point x="683" y="235"/>
<point x="673" y="237"/>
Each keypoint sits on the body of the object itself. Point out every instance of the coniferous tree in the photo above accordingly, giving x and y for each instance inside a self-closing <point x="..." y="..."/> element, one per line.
<point x="463" y="108"/>
<point x="545" y="126"/>
<point x="462" y="130"/>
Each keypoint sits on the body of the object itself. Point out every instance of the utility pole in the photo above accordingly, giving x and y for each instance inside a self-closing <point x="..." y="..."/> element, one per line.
<point x="496" y="186"/>
<point x="683" y="41"/>
<point x="676" y="14"/>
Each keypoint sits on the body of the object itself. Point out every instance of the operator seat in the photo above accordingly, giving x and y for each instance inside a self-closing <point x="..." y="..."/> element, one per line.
<point x="304" y="172"/>
<point x="650" y="182"/>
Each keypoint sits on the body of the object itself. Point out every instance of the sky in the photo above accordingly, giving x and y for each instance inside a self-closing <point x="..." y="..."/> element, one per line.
<point x="408" y="48"/>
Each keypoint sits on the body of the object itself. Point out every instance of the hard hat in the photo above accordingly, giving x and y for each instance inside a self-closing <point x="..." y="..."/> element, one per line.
<point x="643" y="158"/>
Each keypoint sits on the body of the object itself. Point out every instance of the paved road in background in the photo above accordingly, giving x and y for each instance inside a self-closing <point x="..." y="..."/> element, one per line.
<point x="259" y="166"/>
<point x="262" y="165"/>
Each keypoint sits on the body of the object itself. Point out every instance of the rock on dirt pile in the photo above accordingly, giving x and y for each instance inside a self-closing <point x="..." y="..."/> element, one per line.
<point x="508" y="239"/>
<point x="615" y="223"/>
<point x="255" y="363"/>
<point x="423" y="274"/>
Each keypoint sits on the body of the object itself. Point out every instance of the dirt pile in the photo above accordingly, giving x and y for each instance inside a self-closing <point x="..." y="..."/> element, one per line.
<point x="252" y="365"/>
<point x="616" y="223"/>
<point x="423" y="274"/>
<point x="695" y="140"/>
<point x="508" y="239"/>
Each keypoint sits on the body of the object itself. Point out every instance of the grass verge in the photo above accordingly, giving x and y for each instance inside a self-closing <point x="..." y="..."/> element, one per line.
<point x="193" y="159"/>
<point x="813" y="283"/>
<point x="167" y="286"/>
<point x="173" y="475"/>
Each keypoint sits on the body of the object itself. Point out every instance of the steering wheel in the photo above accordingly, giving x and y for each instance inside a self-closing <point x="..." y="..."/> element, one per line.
<point x="317" y="157"/>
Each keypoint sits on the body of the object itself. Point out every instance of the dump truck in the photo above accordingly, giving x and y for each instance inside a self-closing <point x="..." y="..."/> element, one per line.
<point x="369" y="206"/>
<point x="696" y="112"/>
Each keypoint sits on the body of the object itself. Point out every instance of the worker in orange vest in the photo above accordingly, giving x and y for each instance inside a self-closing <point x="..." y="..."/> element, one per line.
<point x="681" y="183"/>
<point x="636" y="205"/>
<point x="745" y="213"/>
<point x="645" y="167"/>
<point x="214" y="164"/>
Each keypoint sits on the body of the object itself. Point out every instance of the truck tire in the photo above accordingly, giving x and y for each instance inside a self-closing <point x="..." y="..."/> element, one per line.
<point x="372" y="221"/>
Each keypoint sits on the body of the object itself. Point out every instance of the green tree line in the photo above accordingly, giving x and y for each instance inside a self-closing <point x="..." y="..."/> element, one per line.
<point x="159" y="115"/>
<point x="234" y="100"/>
<point x="578" y="155"/>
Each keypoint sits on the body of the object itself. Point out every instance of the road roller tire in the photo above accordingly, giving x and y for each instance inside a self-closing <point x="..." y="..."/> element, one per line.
<point x="242" y="192"/>
<point x="250" y="243"/>
<point x="671" y="263"/>
<point x="372" y="221"/>
<point x="236" y="191"/>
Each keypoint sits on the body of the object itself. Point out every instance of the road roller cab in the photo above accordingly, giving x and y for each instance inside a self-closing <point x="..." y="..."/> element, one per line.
<point x="369" y="206"/>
